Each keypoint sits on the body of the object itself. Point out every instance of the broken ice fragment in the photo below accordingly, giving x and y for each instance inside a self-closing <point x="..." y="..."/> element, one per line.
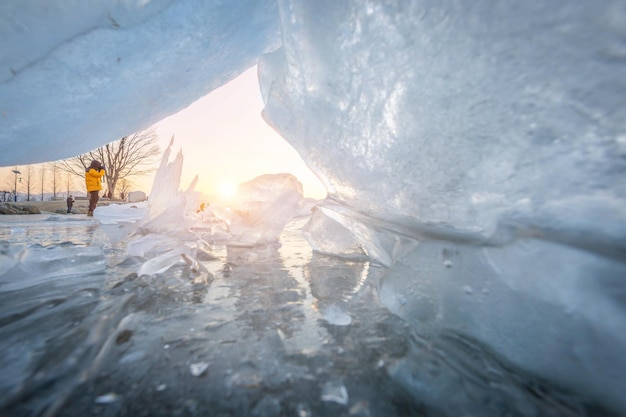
<point x="106" y="398"/>
<point x="335" y="391"/>
<point x="197" y="369"/>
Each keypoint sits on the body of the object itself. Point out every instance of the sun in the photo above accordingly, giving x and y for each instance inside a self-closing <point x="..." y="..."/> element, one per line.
<point x="227" y="190"/>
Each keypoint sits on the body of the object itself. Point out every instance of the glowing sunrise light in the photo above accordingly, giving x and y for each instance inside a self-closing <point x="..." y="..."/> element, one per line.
<point x="227" y="190"/>
<point x="226" y="142"/>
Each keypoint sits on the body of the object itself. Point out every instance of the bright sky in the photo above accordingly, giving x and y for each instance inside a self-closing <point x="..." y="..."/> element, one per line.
<point x="226" y="142"/>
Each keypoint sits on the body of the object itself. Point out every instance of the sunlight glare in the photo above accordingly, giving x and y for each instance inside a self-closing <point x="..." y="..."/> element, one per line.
<point x="225" y="140"/>
<point x="227" y="190"/>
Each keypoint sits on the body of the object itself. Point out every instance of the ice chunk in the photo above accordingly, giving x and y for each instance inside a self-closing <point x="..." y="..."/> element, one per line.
<point x="336" y="230"/>
<point x="262" y="208"/>
<point x="150" y="245"/>
<point x="107" y="398"/>
<point x="163" y="262"/>
<point x="335" y="391"/>
<point x="198" y="369"/>
<point x="44" y="262"/>
<point x="169" y="208"/>
<point x="532" y="301"/>
<point x="121" y="213"/>
<point x="393" y="126"/>
<point x="165" y="194"/>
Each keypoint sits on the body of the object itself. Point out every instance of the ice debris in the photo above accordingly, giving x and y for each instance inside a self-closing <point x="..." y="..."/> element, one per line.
<point x="335" y="391"/>
<point x="198" y="369"/>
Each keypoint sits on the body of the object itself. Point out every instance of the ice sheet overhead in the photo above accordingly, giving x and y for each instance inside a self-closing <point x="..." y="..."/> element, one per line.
<point x="75" y="75"/>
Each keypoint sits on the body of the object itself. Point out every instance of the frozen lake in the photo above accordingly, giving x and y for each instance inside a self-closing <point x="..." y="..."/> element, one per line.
<point x="274" y="330"/>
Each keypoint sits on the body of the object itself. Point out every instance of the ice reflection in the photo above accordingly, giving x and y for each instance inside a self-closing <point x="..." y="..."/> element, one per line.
<point x="51" y="230"/>
<point x="268" y="297"/>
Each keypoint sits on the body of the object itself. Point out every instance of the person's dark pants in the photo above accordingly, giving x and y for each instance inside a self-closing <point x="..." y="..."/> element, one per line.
<point x="69" y="208"/>
<point x="93" y="200"/>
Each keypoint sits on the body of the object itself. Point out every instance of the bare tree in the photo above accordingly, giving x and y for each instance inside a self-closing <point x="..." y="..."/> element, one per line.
<point x="55" y="168"/>
<point x="14" y="182"/>
<point x="10" y="184"/>
<point x="29" y="179"/>
<point x="124" y="187"/>
<point x="133" y="155"/>
<point x="42" y="171"/>
<point x="68" y="182"/>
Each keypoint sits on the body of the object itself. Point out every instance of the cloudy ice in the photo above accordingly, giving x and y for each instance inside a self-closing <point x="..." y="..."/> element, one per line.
<point x="469" y="260"/>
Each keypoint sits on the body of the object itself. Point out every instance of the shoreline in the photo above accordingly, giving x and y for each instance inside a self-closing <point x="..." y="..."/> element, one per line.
<point x="48" y="208"/>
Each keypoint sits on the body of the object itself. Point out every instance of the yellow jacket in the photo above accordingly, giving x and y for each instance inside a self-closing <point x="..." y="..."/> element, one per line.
<point x="92" y="180"/>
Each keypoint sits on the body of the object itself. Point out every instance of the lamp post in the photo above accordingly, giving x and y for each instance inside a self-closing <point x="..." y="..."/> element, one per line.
<point x="16" y="172"/>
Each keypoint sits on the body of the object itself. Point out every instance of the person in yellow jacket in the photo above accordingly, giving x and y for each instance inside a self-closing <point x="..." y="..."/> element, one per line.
<point x="93" y="181"/>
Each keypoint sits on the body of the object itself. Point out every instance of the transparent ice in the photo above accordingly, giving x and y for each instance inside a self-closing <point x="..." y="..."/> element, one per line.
<point x="474" y="234"/>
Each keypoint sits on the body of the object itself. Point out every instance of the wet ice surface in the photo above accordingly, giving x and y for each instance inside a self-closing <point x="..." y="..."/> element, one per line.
<point x="47" y="229"/>
<point x="265" y="331"/>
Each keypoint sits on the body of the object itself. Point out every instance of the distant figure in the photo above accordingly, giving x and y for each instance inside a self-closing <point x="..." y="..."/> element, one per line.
<point x="93" y="181"/>
<point x="70" y="203"/>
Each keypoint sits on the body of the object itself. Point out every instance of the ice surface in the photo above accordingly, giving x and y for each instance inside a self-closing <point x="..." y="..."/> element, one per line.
<point x="264" y="330"/>
<point x="474" y="155"/>
<point x="335" y="316"/>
